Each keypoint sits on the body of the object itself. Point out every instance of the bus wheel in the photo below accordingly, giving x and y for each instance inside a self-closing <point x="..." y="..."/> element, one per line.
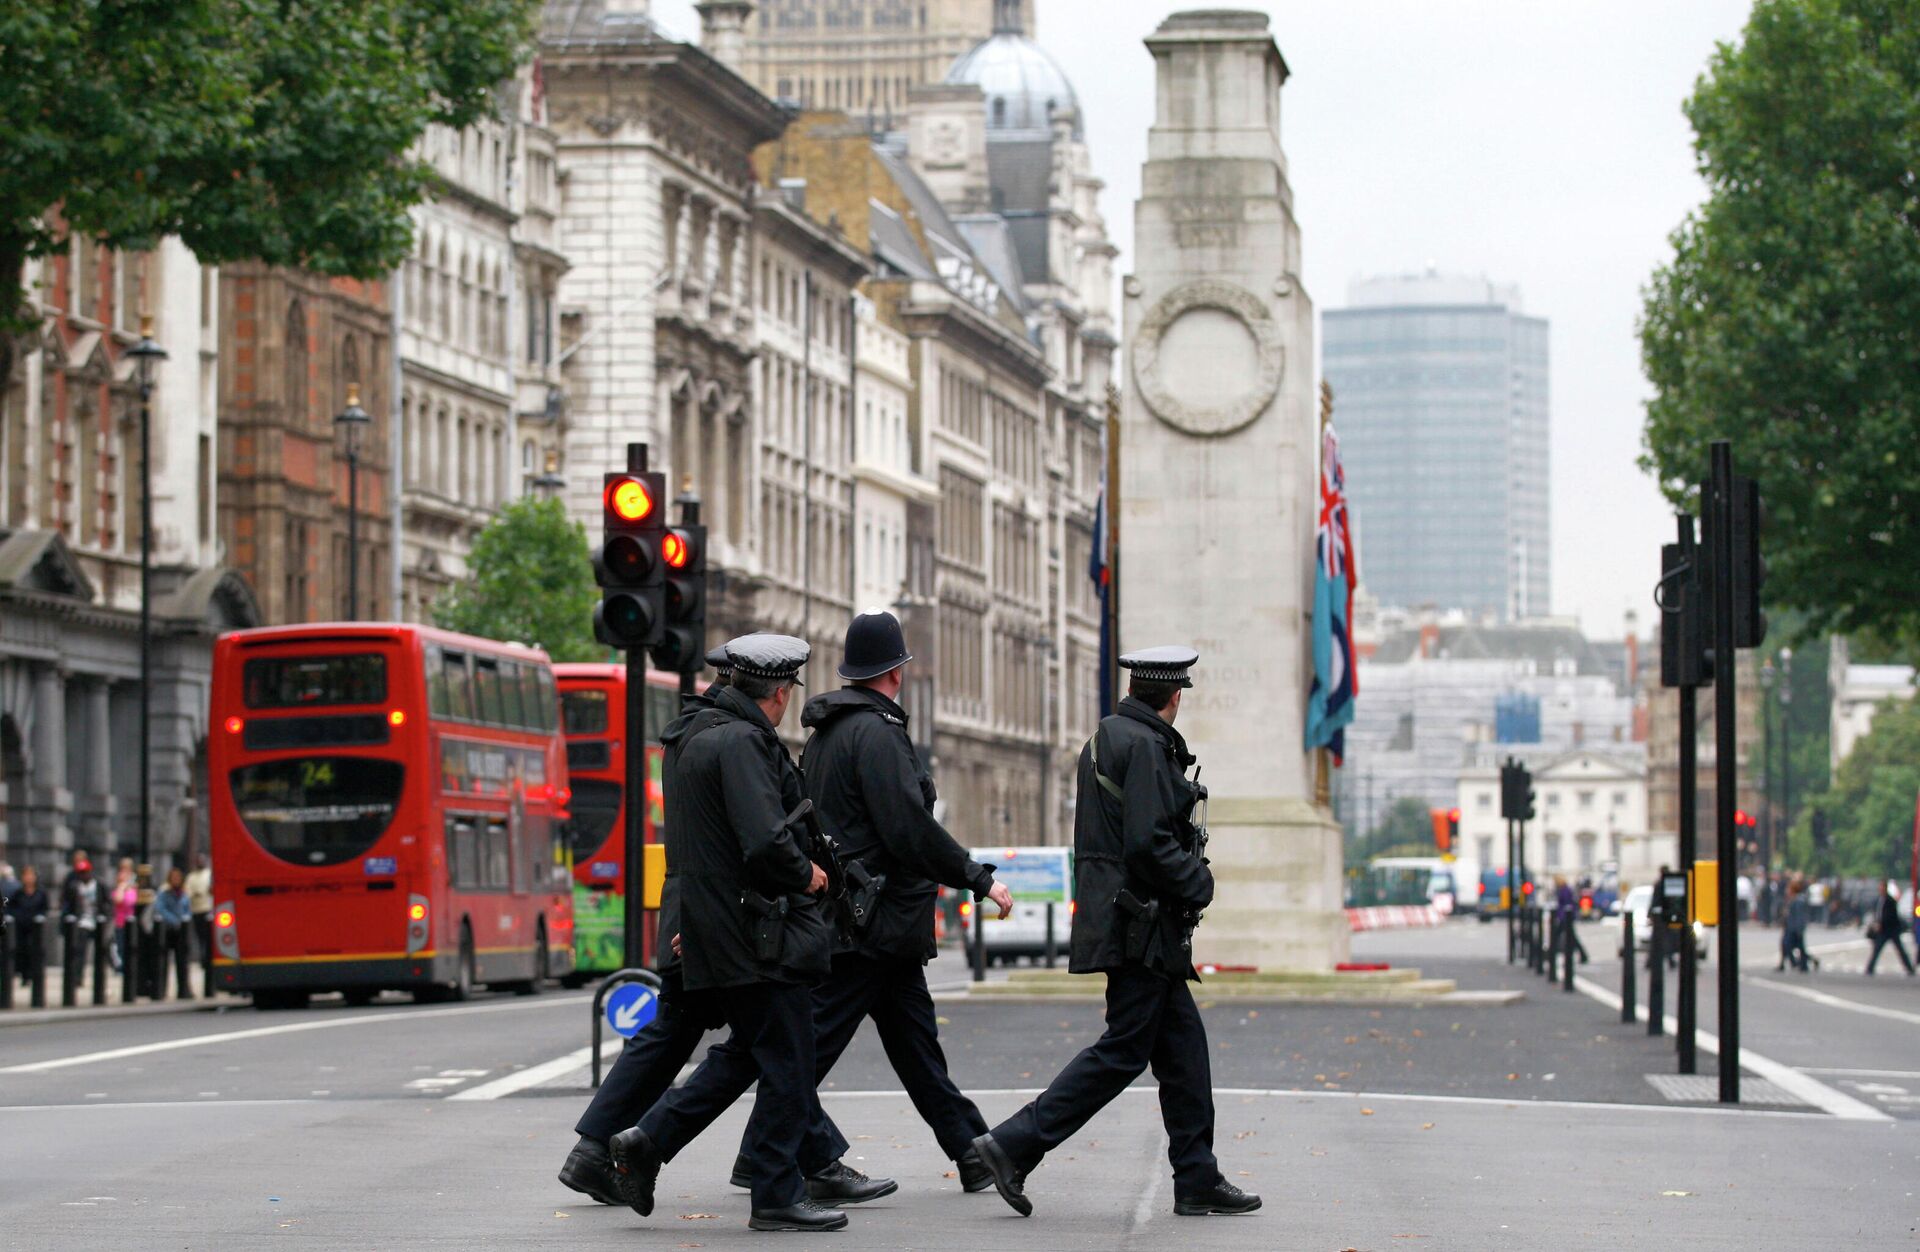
<point x="463" y="977"/>
<point x="264" y="1000"/>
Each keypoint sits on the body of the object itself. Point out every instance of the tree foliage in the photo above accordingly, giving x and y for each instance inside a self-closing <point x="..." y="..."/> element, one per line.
<point x="1870" y="805"/>
<point x="530" y="580"/>
<point x="270" y="129"/>
<point x="1789" y="317"/>
<point x="1406" y="828"/>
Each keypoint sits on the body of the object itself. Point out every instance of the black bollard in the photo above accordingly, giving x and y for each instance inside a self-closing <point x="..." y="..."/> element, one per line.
<point x="1629" y="994"/>
<point x="1052" y="944"/>
<point x="130" y="962"/>
<point x="182" y="962"/>
<point x="7" y="971"/>
<point x="1566" y="959"/>
<point x="70" y="964"/>
<point x="37" y="962"/>
<point x="1656" y="978"/>
<point x="979" y="936"/>
<point x="102" y="936"/>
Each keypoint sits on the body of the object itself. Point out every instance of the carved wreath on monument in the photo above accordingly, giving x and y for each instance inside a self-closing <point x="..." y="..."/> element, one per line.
<point x="1269" y="357"/>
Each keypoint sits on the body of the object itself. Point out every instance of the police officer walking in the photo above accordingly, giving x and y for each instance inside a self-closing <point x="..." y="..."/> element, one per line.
<point x="874" y="795"/>
<point x="654" y="1055"/>
<point x="754" y="936"/>
<point x="1140" y="879"/>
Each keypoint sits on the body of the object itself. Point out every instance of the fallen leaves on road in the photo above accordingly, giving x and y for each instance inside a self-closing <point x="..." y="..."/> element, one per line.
<point x="1351" y="1039"/>
<point x="1245" y="1134"/>
<point x="1366" y="1112"/>
<point x="1426" y="1125"/>
<point x="1513" y="1078"/>
<point x="562" y="1216"/>
<point x="1676" y="1193"/>
<point x="698" y="1217"/>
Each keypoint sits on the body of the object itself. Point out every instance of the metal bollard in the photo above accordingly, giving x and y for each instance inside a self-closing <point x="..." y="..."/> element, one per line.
<point x="613" y="980"/>
<point x="1566" y="959"/>
<point x="1629" y="994"/>
<point x="7" y="972"/>
<point x="1657" y="978"/>
<point x="37" y="962"/>
<point x="130" y="962"/>
<point x="1052" y="944"/>
<point x="70" y="964"/>
<point x="977" y="929"/>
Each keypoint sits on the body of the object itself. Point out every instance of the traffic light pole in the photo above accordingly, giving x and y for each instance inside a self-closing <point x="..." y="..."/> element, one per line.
<point x="1686" y="997"/>
<point x="1513" y="894"/>
<point x="1720" y="501"/>
<point x="635" y="808"/>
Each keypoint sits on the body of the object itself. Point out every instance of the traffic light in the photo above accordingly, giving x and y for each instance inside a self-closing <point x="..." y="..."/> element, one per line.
<point x="683" y="554"/>
<point x="1453" y="830"/>
<point x="1516" y="793"/>
<point x="1686" y="612"/>
<point x="1440" y="828"/>
<point x="631" y="612"/>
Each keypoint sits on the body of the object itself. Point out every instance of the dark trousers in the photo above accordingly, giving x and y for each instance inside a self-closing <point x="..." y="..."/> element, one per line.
<point x="647" y="1065"/>
<point x="894" y="994"/>
<point x="203" y="939"/>
<point x="771" y="1041"/>
<point x="1151" y="1020"/>
<point x="1881" y="939"/>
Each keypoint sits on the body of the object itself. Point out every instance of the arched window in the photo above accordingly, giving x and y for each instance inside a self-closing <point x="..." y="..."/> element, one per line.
<point x="298" y="378"/>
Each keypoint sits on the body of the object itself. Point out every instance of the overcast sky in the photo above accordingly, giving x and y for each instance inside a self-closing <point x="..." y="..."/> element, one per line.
<point x="1540" y="143"/>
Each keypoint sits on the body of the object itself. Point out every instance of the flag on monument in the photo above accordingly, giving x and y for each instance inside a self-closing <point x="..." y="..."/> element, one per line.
<point x="1330" y="703"/>
<point x="1101" y="572"/>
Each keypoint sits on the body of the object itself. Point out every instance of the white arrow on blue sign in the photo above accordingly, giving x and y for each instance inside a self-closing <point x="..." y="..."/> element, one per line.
<point x="630" y="1006"/>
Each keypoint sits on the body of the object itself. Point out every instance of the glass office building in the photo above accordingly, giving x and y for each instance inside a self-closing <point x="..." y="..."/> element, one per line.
<point x="1440" y="397"/>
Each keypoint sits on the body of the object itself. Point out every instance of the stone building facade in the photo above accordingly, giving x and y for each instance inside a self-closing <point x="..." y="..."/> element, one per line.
<point x="863" y="57"/>
<point x="70" y="500"/>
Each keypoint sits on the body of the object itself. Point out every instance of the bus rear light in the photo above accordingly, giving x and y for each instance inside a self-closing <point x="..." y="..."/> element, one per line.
<point x="233" y="725"/>
<point x="398" y="717"/>
<point x="226" y="936"/>
<point x="416" y="923"/>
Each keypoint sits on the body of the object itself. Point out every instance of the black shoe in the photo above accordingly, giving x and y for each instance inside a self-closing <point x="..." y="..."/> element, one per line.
<point x="1223" y="1199"/>
<point x="636" y="1164"/>
<point x="974" y="1175"/>
<point x="742" y="1176"/>
<point x="589" y="1170"/>
<point x="805" y="1215"/>
<point x="840" y="1183"/>
<point x="1008" y="1181"/>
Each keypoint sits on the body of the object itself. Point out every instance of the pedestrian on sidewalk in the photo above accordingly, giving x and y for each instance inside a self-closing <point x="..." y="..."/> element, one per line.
<point x="126" y="902"/>
<point x="1793" y="937"/>
<point x="200" y="901"/>
<point x="171" y="918"/>
<point x="85" y="908"/>
<point x="1885" y="927"/>
<point x="1566" y="908"/>
<point x="1142" y="880"/>
<point x="28" y="907"/>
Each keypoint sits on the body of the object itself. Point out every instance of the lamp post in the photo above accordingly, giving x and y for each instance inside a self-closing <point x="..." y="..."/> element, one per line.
<point x="352" y="418"/>
<point x="146" y="355"/>
<point x="1786" y="740"/>
<point x="549" y="483"/>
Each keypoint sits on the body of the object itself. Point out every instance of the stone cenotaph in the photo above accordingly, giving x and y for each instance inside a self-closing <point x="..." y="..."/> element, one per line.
<point x="1218" y="488"/>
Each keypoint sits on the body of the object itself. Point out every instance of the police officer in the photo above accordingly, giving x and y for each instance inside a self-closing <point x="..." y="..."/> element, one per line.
<point x="1140" y="880"/>
<point x="652" y="1057"/>
<point x="873" y="794"/>
<point x="754" y="936"/>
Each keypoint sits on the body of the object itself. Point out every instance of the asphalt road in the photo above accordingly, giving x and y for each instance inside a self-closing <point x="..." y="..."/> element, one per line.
<point x="1510" y="1127"/>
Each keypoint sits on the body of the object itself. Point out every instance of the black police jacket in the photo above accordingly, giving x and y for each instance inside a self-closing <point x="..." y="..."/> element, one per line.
<point x="876" y="800"/>
<point x="665" y="959"/>
<point x="1141" y="840"/>
<point x="729" y="786"/>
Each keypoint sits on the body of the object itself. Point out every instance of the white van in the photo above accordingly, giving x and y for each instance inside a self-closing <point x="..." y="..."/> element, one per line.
<point x="1035" y="876"/>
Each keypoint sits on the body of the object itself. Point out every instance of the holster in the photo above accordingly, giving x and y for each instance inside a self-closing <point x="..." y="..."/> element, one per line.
<point x="863" y="895"/>
<point x="768" y="919"/>
<point x="1139" y="920"/>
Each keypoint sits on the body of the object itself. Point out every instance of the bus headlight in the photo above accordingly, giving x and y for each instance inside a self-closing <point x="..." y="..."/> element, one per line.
<point x="417" y="926"/>
<point x="226" y="933"/>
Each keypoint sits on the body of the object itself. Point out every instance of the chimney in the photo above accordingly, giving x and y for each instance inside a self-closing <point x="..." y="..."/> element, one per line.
<point x="723" y="30"/>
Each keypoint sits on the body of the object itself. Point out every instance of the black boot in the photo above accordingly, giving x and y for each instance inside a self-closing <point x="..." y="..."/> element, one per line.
<point x="974" y="1175"/>
<point x="840" y="1183"/>
<point x="1008" y="1180"/>
<point x="636" y="1164"/>
<point x="805" y="1215"/>
<point x="1223" y="1199"/>
<point x="742" y="1176"/>
<point x="589" y="1170"/>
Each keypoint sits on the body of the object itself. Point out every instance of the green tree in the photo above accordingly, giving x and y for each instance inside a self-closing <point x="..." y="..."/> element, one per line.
<point x="1869" y="807"/>
<point x="269" y="129"/>
<point x="1789" y="318"/>
<point x="530" y="580"/>
<point x="1406" y="828"/>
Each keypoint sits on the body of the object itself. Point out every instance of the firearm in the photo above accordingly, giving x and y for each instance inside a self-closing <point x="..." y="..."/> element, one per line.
<point x="820" y="849"/>
<point x="1199" y="815"/>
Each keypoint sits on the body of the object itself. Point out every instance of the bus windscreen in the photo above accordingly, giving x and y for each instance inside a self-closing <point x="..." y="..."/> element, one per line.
<point x="286" y="682"/>
<point x="317" y="810"/>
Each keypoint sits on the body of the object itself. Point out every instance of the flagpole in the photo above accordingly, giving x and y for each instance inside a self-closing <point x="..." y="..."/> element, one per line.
<point x="1322" y="756"/>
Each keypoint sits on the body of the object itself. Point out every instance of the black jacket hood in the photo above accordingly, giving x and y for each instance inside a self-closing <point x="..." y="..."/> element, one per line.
<point x="823" y="708"/>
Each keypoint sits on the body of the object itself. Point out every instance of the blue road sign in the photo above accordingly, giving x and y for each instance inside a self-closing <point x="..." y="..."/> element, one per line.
<point x="630" y="1006"/>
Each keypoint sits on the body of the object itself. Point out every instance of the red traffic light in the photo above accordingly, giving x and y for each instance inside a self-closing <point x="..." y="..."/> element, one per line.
<point x="628" y="499"/>
<point x="1453" y="815"/>
<point x="675" y="550"/>
<point x="1743" y="818"/>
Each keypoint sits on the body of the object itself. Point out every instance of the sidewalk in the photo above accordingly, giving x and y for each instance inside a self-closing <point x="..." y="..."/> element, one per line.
<point x="24" y="1014"/>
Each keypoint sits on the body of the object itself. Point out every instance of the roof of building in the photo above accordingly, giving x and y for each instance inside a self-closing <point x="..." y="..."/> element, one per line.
<point x="993" y="243"/>
<point x="1022" y="84"/>
<point x="1542" y="644"/>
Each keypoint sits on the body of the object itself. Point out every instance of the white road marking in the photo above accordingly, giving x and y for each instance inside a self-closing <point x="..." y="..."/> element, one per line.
<point x="1143" y="1211"/>
<point x="1403" y="1097"/>
<point x="546" y="1071"/>
<point x="378" y="1017"/>
<point x="1864" y="1073"/>
<point x="1836" y="1002"/>
<point x="148" y="1104"/>
<point x="1785" y="1077"/>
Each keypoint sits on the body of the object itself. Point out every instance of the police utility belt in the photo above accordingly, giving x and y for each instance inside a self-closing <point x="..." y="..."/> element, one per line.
<point x="768" y="915"/>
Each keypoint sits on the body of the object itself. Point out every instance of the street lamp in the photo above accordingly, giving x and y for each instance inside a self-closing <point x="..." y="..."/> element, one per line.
<point x="146" y="355"/>
<point x="353" y="417"/>
<point x="550" y="482"/>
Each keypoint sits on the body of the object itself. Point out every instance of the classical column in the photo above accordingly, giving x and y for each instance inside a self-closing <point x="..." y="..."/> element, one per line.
<point x="49" y="729"/>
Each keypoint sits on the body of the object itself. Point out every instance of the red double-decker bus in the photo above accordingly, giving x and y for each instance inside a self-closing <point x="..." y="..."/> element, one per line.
<point x="593" y="710"/>
<point x="389" y="808"/>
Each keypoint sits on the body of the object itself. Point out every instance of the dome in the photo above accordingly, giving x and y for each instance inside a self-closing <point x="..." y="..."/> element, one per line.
<point x="1021" y="83"/>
